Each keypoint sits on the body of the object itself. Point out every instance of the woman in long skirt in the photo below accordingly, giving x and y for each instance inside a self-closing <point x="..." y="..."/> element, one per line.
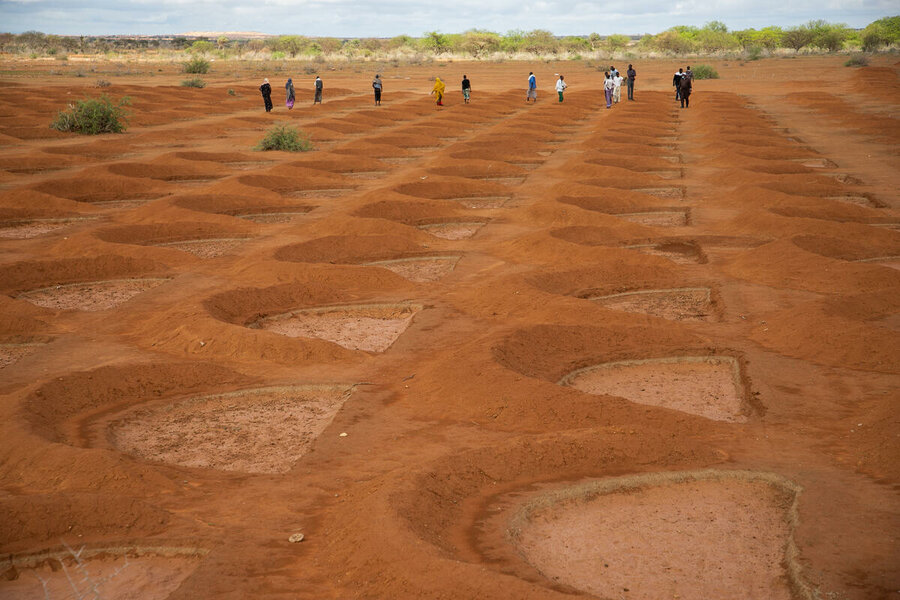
<point x="438" y="91"/>
<point x="289" y="90"/>
<point x="266" y="91"/>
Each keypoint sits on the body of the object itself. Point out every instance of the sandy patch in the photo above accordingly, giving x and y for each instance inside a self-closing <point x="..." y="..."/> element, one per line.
<point x="10" y="354"/>
<point x="708" y="386"/>
<point x="677" y="304"/>
<point x="210" y="248"/>
<point x="663" y="192"/>
<point x="255" y="431"/>
<point x="482" y="201"/>
<point x="887" y="261"/>
<point x="268" y="218"/>
<point x="660" y="218"/>
<point x="677" y="253"/>
<point x="452" y="231"/>
<point x="90" y="296"/>
<point x="372" y="327"/>
<point x="99" y="574"/>
<point x="716" y="537"/>
<point x="420" y="269"/>
<point x="20" y="230"/>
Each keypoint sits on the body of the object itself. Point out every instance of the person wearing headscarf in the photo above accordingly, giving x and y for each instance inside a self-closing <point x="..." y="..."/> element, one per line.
<point x="318" y="98"/>
<point x="377" y="86"/>
<point x="289" y="90"/>
<point x="438" y="91"/>
<point x="266" y="91"/>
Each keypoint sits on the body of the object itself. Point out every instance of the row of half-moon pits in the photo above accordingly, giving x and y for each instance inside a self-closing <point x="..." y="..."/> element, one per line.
<point x="353" y="319"/>
<point x="83" y="284"/>
<point x="202" y="239"/>
<point x="654" y="289"/>
<point x="404" y="257"/>
<point x="551" y="515"/>
<point x="192" y="415"/>
<point x="677" y="374"/>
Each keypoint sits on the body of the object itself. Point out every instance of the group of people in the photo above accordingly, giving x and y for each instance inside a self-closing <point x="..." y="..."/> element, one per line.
<point x="612" y="88"/>
<point x="290" y="95"/>
<point x="684" y="83"/>
<point x="612" y="85"/>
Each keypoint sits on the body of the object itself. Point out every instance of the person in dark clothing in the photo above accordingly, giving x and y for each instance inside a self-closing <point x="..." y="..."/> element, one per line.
<point x="318" y="98"/>
<point x="631" y="74"/>
<point x="289" y="91"/>
<point x="466" y="89"/>
<point x="266" y="91"/>
<point x="685" y="86"/>
<point x="377" y="86"/>
<point x="676" y="81"/>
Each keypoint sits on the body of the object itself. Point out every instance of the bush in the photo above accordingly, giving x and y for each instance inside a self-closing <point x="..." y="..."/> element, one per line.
<point x="92" y="116"/>
<point x="196" y="65"/>
<point x="231" y="92"/>
<point x="705" y="72"/>
<point x="102" y="83"/>
<point x="196" y="82"/>
<point x="286" y="138"/>
<point x="860" y="60"/>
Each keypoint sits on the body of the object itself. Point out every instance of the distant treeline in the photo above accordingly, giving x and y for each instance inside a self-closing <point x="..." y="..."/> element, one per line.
<point x="712" y="38"/>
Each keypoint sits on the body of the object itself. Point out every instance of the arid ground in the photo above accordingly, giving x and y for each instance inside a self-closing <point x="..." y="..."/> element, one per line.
<point x="496" y="350"/>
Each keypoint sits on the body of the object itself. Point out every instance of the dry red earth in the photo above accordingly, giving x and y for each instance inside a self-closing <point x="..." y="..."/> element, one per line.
<point x="487" y="351"/>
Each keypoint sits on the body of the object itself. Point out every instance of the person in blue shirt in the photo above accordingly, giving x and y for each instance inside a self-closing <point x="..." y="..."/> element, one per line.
<point x="532" y="88"/>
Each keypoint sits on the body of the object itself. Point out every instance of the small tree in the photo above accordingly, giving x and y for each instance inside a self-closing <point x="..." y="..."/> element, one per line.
<point x="202" y="47"/>
<point x="196" y="65"/>
<point x="616" y="42"/>
<point x="480" y="43"/>
<point x="92" y="116"/>
<point x="286" y="138"/>
<point x="797" y="37"/>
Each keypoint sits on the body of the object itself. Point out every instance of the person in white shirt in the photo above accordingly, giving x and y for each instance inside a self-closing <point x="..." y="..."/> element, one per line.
<point x="617" y="90"/>
<point x="608" y="87"/>
<point x="561" y="87"/>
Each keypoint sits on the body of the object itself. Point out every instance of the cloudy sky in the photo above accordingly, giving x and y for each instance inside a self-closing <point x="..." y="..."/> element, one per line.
<point x="386" y="18"/>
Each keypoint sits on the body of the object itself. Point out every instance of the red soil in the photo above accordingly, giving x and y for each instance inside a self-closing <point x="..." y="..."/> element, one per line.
<point x="760" y="225"/>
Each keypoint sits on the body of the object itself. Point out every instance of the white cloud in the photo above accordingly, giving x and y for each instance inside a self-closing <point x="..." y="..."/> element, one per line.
<point x="350" y="18"/>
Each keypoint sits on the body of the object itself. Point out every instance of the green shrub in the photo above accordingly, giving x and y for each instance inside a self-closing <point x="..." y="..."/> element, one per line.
<point x="196" y="82"/>
<point x="705" y="72"/>
<point x="92" y="116"/>
<point x="284" y="137"/>
<point x="102" y="83"/>
<point x="231" y="92"/>
<point x="196" y="65"/>
<point x="754" y="53"/>
<point x="860" y="60"/>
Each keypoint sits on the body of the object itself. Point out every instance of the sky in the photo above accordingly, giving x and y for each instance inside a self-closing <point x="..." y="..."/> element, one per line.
<point x="387" y="18"/>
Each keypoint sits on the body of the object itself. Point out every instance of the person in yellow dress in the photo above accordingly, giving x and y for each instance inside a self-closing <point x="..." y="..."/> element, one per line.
<point x="438" y="91"/>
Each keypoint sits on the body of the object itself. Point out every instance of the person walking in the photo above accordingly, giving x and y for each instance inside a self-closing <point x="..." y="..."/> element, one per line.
<point x="561" y="87"/>
<point x="617" y="89"/>
<point x="266" y="91"/>
<point x="686" y="87"/>
<point x="532" y="88"/>
<point x="631" y="73"/>
<point x="318" y="97"/>
<point x="438" y="91"/>
<point x="608" y="86"/>
<point x="676" y="81"/>
<point x="466" y="89"/>
<point x="378" y="86"/>
<point x="688" y="73"/>
<point x="289" y="92"/>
